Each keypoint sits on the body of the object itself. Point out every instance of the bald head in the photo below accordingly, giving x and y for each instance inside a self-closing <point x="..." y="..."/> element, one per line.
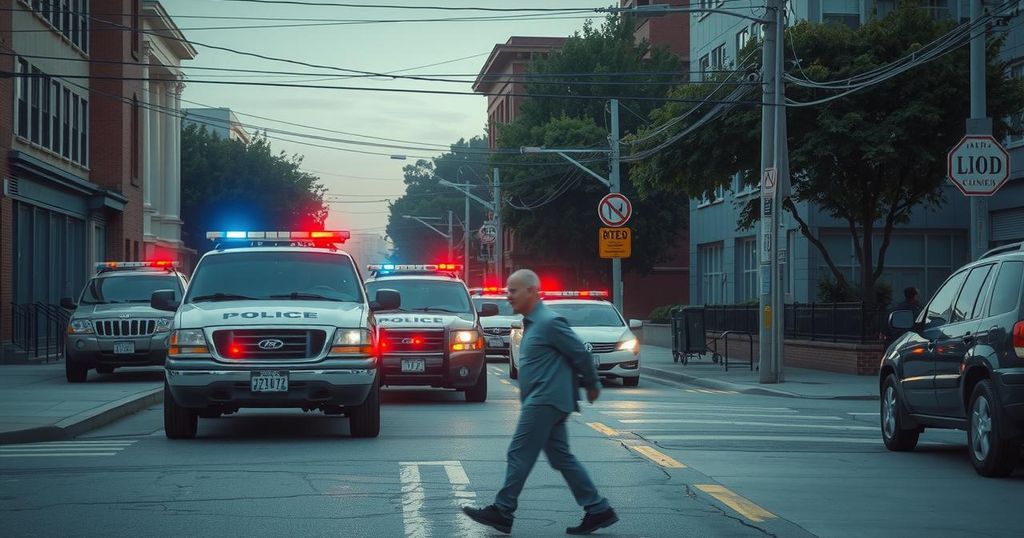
<point x="523" y="290"/>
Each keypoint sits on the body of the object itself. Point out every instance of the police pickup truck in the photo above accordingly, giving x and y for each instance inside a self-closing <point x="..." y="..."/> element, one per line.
<point x="434" y="338"/>
<point x="273" y="319"/>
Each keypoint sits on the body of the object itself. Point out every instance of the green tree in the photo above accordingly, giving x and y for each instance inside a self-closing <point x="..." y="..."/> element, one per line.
<point x="554" y="203"/>
<point x="229" y="185"/>
<point x="868" y="159"/>
<point x="426" y="197"/>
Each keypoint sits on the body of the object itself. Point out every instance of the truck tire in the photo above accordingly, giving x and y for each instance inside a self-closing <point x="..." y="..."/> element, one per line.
<point x="364" y="420"/>
<point x="513" y="372"/>
<point x="74" y="372"/>
<point x="179" y="422"/>
<point x="478" y="392"/>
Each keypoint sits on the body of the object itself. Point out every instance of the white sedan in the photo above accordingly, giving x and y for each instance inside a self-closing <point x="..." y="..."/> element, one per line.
<point x="604" y="332"/>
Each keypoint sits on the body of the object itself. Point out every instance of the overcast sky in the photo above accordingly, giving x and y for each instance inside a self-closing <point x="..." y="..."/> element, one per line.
<point x="433" y="119"/>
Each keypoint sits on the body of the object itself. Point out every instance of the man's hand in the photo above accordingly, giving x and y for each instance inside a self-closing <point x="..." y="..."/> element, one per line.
<point x="592" y="394"/>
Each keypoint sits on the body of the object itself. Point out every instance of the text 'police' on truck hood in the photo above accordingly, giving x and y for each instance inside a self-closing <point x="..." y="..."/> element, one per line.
<point x="336" y="314"/>
<point x="421" y="320"/>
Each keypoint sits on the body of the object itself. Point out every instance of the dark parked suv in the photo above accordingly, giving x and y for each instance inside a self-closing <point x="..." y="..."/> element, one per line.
<point x="961" y="364"/>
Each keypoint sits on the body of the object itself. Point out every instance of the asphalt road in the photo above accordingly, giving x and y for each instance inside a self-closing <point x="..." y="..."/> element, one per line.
<point x="674" y="461"/>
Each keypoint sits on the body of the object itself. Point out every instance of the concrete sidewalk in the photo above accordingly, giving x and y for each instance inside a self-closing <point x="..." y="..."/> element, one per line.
<point x="38" y="404"/>
<point x="657" y="362"/>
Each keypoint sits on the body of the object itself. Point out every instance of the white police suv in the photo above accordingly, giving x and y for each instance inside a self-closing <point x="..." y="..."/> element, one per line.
<point x="498" y="328"/>
<point x="599" y="324"/>
<point x="273" y="319"/>
<point x="434" y="338"/>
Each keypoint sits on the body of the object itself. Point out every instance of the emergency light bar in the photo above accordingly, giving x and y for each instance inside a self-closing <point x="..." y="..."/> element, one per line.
<point x="582" y="294"/>
<point x="488" y="290"/>
<point x="326" y="236"/>
<point x="161" y="264"/>
<point x="406" y="268"/>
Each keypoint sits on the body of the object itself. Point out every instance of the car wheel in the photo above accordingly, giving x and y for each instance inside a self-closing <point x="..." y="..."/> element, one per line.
<point x="896" y="436"/>
<point x="991" y="452"/>
<point x="513" y="372"/>
<point x="179" y="422"/>
<point x="478" y="392"/>
<point x="364" y="420"/>
<point x="104" y="369"/>
<point x="75" y="373"/>
<point x="631" y="381"/>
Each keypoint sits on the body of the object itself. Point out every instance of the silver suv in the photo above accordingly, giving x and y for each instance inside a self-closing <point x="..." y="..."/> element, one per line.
<point x="113" y="324"/>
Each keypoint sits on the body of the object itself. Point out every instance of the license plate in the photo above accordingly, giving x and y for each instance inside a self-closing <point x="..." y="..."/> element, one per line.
<point x="124" y="348"/>
<point x="269" y="381"/>
<point x="414" y="366"/>
<point x="495" y="342"/>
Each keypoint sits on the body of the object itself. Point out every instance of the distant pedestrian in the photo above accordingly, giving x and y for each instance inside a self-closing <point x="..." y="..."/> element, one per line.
<point x="551" y="357"/>
<point x="912" y="302"/>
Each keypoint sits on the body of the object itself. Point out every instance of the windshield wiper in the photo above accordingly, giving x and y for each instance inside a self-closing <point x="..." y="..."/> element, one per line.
<point x="222" y="297"/>
<point x="436" y="309"/>
<point x="308" y="296"/>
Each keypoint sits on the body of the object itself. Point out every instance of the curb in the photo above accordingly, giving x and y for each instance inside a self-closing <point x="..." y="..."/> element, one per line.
<point x="86" y="420"/>
<point x="743" y="389"/>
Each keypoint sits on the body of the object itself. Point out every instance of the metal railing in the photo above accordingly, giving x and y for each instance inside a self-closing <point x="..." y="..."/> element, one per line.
<point x="829" y="322"/>
<point x="39" y="328"/>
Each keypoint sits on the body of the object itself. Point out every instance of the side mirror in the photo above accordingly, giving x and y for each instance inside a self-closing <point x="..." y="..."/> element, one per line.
<point x="488" y="309"/>
<point x="386" y="300"/>
<point x="68" y="303"/>
<point x="166" y="300"/>
<point x="902" y="320"/>
<point x="635" y="324"/>
<point x="517" y="324"/>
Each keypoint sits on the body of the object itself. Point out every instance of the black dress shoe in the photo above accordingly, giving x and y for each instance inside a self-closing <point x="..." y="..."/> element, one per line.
<point x="489" y="516"/>
<point x="592" y="522"/>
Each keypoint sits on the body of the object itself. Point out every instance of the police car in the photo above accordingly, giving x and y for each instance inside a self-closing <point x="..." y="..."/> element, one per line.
<point x="602" y="328"/>
<point x="434" y="338"/>
<point x="113" y="325"/>
<point x="497" y="329"/>
<point x="273" y="319"/>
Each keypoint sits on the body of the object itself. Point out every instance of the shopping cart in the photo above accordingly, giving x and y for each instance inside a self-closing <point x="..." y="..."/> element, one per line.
<point x="689" y="340"/>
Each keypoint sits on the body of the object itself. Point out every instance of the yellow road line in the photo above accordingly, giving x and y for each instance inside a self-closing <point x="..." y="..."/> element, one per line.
<point x="603" y="429"/>
<point x="740" y="504"/>
<point x="658" y="457"/>
<point x="504" y="382"/>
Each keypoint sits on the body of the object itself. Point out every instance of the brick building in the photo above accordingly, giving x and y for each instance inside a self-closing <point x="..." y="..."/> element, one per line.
<point x="71" y="138"/>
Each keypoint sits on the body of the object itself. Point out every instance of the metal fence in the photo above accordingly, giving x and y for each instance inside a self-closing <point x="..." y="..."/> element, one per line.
<point x="831" y="322"/>
<point x="38" y="328"/>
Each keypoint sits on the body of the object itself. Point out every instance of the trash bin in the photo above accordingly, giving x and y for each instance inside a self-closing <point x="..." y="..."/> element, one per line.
<point x="687" y="332"/>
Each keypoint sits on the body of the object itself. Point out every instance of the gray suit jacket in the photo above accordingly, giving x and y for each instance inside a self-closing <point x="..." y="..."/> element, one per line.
<point x="550" y="358"/>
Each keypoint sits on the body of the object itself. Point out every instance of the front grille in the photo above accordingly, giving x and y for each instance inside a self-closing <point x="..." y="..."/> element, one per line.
<point x="245" y="343"/>
<point x="125" y="327"/>
<point x="603" y="347"/>
<point x="498" y="331"/>
<point x="413" y="341"/>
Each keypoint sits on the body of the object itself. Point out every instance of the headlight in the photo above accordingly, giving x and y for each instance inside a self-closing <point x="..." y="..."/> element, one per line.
<point x="187" y="342"/>
<point x="163" y="325"/>
<point x="466" y="341"/>
<point x="352" y="341"/>
<point x="80" y="326"/>
<point x="629" y="345"/>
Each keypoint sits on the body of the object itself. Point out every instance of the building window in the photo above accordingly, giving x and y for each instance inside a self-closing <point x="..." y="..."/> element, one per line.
<point x="84" y="133"/>
<point x="65" y="147"/>
<point x="70" y="18"/>
<point x="747" y="253"/>
<point x="704" y="4"/>
<point x="742" y="38"/>
<point x="75" y="118"/>
<point x="705" y="66"/>
<point x="56" y="115"/>
<point x="742" y="188"/>
<point x="717" y="195"/>
<point x="711" y="275"/>
<point x="23" y="98"/>
<point x="50" y="115"/>
<point x="136" y="25"/>
<point x="718" y="57"/>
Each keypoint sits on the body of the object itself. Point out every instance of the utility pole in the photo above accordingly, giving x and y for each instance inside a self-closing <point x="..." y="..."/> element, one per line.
<point x="451" y="250"/>
<point x="978" y="124"/>
<point x="614" y="163"/>
<point x="499" y="269"/>
<point x="465" y="240"/>
<point x="494" y="207"/>
<point x="768" y="245"/>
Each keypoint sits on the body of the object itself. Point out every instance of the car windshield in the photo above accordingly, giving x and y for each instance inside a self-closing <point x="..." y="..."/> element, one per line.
<point x="588" y="315"/>
<point x="127" y="289"/>
<point x="427" y="295"/>
<point x="288" y="275"/>
<point x="504" y="307"/>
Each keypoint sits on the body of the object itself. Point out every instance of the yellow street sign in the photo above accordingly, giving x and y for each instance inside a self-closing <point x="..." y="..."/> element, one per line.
<point x="615" y="242"/>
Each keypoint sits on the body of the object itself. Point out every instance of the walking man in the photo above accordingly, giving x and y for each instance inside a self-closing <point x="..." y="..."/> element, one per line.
<point x="551" y="356"/>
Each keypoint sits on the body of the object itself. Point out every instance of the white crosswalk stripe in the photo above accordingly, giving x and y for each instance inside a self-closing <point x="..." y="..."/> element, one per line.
<point x="65" y="449"/>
